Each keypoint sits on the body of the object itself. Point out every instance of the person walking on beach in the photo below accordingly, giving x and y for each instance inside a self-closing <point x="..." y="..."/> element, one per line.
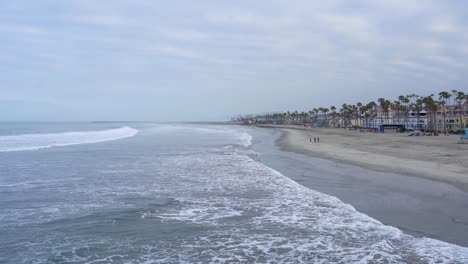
<point x="318" y="139"/>
<point x="315" y="140"/>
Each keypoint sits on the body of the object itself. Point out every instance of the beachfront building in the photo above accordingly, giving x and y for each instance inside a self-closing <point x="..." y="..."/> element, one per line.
<point x="456" y="117"/>
<point x="417" y="120"/>
<point x="391" y="128"/>
<point x="378" y="117"/>
<point x="322" y="119"/>
<point x="396" y="117"/>
<point x="411" y="120"/>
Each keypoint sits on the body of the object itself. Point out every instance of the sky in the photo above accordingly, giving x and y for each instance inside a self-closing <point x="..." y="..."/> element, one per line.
<point x="210" y="60"/>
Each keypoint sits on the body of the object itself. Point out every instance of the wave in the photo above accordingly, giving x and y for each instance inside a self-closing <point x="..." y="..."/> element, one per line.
<point x="241" y="137"/>
<point x="213" y="202"/>
<point x="40" y="141"/>
<point x="268" y="216"/>
<point x="246" y="139"/>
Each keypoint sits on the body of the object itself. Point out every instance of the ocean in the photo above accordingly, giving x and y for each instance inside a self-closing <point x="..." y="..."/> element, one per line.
<point x="176" y="193"/>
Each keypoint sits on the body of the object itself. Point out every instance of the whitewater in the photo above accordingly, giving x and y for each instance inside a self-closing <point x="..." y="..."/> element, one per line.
<point x="184" y="194"/>
<point x="39" y="141"/>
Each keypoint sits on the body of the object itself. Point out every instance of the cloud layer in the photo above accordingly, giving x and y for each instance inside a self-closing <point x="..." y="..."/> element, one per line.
<point x="185" y="60"/>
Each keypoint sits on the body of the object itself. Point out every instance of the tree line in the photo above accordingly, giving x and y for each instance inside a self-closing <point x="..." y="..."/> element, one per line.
<point x="401" y="108"/>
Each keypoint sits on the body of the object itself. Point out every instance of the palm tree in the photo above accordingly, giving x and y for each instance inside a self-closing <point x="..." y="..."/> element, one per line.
<point x="382" y="104"/>
<point x="359" y="112"/>
<point x="431" y="107"/>
<point x="391" y="106"/>
<point x="454" y="93"/>
<point x="304" y="116"/>
<point x="365" y="114"/>
<point x="295" y="116"/>
<point x="397" y="107"/>
<point x="285" y="114"/>
<point x="321" y="114"/>
<point x="343" y="112"/>
<point x="325" y="111"/>
<point x="385" y="105"/>
<point x="443" y="96"/>
<point x="405" y="100"/>
<point x="338" y="114"/>
<point x="371" y="109"/>
<point x="418" y="109"/>
<point x="333" y="109"/>
<point x="466" y="102"/>
<point x="460" y="97"/>
<point x="354" y="114"/>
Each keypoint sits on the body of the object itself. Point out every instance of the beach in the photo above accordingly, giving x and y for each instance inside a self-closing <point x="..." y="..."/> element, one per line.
<point x="437" y="158"/>
<point x="419" y="206"/>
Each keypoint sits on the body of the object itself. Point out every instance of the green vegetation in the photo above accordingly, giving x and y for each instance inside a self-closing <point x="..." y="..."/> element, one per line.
<point x="428" y="110"/>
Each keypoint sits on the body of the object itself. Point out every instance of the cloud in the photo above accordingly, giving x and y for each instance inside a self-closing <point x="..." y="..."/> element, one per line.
<point x="306" y="46"/>
<point x="249" y="20"/>
<point x="23" y="29"/>
<point x="173" y="51"/>
<point x="463" y="49"/>
<point x="404" y="7"/>
<point x="356" y="27"/>
<point x="429" y="45"/>
<point x="100" y="20"/>
<point x="447" y="61"/>
<point x="182" y="34"/>
<point x="443" y="26"/>
<point x="417" y="67"/>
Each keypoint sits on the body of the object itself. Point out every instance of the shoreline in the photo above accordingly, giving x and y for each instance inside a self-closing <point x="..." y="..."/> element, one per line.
<point x="416" y="205"/>
<point x="435" y="158"/>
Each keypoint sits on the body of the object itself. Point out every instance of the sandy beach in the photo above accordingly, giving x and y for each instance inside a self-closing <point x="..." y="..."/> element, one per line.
<point x="438" y="158"/>
<point x="419" y="206"/>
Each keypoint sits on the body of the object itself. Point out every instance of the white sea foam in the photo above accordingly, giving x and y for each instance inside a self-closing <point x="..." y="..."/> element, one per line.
<point x="39" y="141"/>
<point x="242" y="211"/>
<point x="246" y="139"/>
<point x="322" y="229"/>
<point x="241" y="137"/>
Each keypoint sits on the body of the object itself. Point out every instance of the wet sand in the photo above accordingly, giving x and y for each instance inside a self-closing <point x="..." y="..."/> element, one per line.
<point x="438" y="158"/>
<point x="416" y="205"/>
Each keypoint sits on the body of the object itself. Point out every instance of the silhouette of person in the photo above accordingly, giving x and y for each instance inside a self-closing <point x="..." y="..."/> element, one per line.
<point x="315" y="140"/>
<point x="318" y="140"/>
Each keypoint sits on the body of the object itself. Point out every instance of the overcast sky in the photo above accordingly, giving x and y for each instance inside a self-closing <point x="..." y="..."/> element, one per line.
<point x="209" y="60"/>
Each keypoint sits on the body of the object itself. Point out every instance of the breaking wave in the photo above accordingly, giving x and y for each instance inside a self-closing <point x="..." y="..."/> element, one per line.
<point x="40" y="141"/>
<point x="240" y="137"/>
<point x="212" y="205"/>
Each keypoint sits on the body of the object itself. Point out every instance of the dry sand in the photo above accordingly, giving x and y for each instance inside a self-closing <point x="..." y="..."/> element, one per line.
<point x="438" y="157"/>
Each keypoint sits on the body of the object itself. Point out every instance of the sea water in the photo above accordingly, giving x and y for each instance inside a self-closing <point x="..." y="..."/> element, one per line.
<point x="175" y="193"/>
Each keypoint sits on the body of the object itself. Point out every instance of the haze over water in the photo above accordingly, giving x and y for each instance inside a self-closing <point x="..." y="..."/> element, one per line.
<point x="165" y="193"/>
